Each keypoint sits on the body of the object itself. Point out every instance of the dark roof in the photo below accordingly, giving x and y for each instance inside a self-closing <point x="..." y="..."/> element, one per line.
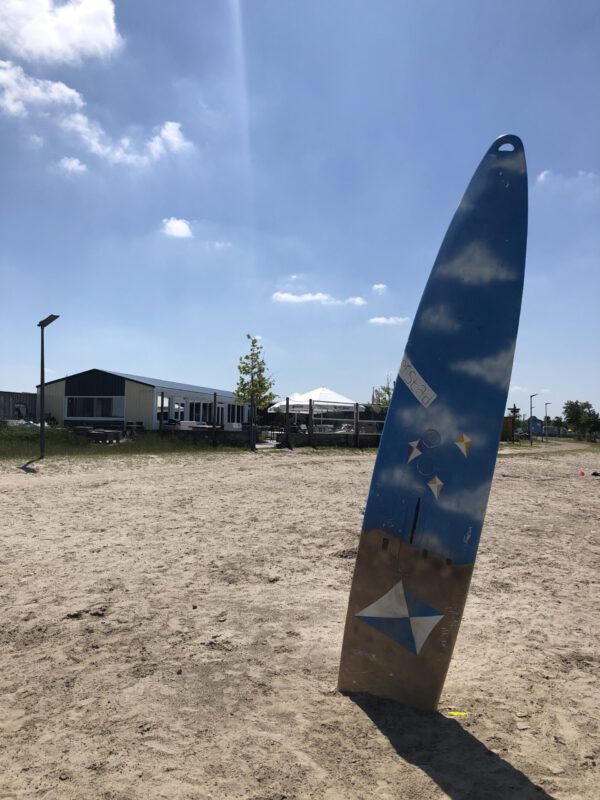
<point x="156" y="382"/>
<point x="185" y="387"/>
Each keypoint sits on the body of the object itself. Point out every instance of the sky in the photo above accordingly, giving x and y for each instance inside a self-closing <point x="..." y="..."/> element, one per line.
<point x="177" y="175"/>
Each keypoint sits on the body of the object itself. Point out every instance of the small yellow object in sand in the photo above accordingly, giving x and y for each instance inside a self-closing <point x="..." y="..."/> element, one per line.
<point x="458" y="713"/>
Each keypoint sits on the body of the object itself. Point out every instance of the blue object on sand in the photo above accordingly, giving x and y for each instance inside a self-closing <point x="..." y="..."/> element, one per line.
<point x="435" y="464"/>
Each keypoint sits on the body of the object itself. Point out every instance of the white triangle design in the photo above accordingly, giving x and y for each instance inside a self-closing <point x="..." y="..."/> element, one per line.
<point x="415" y="452"/>
<point x="421" y="628"/>
<point x="435" y="484"/>
<point x="391" y="605"/>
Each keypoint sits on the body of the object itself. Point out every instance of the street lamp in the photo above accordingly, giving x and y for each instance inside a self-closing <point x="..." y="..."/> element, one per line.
<point x="514" y="411"/>
<point x="41" y="325"/>
<point x="546" y="417"/>
<point x="531" y="396"/>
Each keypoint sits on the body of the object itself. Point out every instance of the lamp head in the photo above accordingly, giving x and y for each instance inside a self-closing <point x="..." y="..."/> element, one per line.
<point x="50" y="319"/>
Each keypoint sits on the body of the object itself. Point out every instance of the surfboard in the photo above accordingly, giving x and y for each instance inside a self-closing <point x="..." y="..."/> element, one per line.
<point x="434" y="468"/>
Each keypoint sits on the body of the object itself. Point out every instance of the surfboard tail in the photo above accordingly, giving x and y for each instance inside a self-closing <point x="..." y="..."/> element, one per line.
<point x="399" y="646"/>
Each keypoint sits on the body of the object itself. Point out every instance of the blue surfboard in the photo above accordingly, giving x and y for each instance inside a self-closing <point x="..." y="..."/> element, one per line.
<point x="434" y="468"/>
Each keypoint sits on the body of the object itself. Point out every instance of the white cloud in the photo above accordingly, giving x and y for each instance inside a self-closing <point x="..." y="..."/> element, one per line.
<point x="307" y="297"/>
<point x="93" y="137"/>
<point x="295" y="282"/>
<point x="549" y="177"/>
<point x="439" y="318"/>
<point x="494" y="369"/>
<point x="400" y="478"/>
<point x="217" y="245"/>
<point x="72" y="165"/>
<point x="471" y="501"/>
<point x="89" y="132"/>
<point x="170" y="138"/>
<point x="544" y="176"/>
<point x="178" y="228"/>
<point x="441" y="417"/>
<point x="475" y="265"/>
<point x="19" y="92"/>
<point x="379" y="288"/>
<point x="583" y="186"/>
<point x="515" y="388"/>
<point x="316" y="297"/>
<point x="59" y="32"/>
<point x="388" y="320"/>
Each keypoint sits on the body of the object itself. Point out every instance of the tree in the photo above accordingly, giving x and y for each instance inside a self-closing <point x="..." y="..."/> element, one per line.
<point x="254" y="384"/>
<point x="558" y="422"/>
<point x="581" y="417"/>
<point x="382" y="395"/>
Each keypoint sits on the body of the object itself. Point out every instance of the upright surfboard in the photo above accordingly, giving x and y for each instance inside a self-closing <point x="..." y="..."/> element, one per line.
<point x="436" y="459"/>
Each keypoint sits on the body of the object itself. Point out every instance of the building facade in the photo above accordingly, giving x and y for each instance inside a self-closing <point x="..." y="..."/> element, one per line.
<point x="17" y="405"/>
<point x="117" y="400"/>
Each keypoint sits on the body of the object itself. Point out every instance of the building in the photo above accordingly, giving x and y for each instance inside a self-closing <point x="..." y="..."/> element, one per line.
<point x="116" y="400"/>
<point x="17" y="405"/>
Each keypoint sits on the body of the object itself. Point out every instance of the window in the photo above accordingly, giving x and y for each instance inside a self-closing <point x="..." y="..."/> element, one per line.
<point x="234" y="413"/>
<point x="104" y="407"/>
<point x="207" y="412"/>
<point x="196" y="412"/>
<point x="164" y="401"/>
<point x="89" y="406"/>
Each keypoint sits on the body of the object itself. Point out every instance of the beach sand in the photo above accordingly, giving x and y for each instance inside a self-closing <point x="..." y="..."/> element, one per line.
<point x="171" y="628"/>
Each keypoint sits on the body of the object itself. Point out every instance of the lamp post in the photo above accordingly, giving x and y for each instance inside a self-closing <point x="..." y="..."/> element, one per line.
<point x="41" y="325"/>
<point x="546" y="417"/>
<point x="514" y="411"/>
<point x="531" y="396"/>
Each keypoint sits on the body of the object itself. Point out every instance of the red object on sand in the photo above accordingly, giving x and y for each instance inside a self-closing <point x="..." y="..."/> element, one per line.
<point x="581" y="473"/>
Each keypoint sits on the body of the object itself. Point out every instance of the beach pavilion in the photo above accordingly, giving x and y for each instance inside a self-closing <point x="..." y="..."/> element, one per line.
<point x="323" y="400"/>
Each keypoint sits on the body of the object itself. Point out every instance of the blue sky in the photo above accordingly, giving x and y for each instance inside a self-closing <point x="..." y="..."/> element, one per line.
<point x="175" y="175"/>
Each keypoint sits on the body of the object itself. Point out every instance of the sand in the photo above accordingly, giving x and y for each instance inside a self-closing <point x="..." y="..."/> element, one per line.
<point x="171" y="628"/>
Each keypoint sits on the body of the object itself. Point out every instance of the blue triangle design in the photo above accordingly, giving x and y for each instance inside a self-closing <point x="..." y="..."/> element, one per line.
<point x="417" y="607"/>
<point x="396" y="628"/>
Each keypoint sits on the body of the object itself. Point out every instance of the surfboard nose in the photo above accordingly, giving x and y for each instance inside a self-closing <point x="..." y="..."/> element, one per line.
<point x="508" y="152"/>
<point x="503" y="143"/>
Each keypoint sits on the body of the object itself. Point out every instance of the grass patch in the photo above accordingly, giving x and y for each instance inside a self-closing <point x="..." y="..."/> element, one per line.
<point x="24" y="443"/>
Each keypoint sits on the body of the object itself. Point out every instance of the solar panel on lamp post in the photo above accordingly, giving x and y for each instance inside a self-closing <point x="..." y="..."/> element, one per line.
<point x="41" y="325"/>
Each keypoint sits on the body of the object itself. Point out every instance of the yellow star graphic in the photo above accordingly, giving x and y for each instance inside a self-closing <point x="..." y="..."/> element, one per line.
<point x="435" y="484"/>
<point x="464" y="444"/>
